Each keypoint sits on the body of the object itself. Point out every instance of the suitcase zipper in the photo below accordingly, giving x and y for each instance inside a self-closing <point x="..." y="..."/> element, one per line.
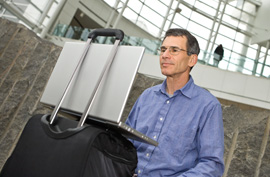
<point x="118" y="158"/>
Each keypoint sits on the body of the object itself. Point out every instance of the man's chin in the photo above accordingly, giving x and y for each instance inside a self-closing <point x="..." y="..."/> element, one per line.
<point x="165" y="73"/>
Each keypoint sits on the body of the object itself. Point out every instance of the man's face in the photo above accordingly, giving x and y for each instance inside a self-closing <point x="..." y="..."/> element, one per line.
<point x="176" y="65"/>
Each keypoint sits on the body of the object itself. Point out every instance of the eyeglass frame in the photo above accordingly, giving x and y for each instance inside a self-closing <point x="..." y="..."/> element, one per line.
<point x="170" y="50"/>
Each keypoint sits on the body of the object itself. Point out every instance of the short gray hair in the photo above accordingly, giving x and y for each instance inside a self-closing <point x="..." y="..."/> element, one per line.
<point x="192" y="43"/>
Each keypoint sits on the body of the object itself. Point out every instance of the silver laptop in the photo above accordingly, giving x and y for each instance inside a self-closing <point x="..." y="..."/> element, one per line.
<point x="111" y="97"/>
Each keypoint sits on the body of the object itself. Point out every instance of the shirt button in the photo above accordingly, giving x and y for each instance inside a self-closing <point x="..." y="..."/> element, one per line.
<point x="168" y="102"/>
<point x="155" y="137"/>
<point x="139" y="171"/>
<point x="147" y="155"/>
<point x="161" y="119"/>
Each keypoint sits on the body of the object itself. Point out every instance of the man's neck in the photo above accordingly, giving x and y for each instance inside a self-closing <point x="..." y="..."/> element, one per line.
<point x="174" y="84"/>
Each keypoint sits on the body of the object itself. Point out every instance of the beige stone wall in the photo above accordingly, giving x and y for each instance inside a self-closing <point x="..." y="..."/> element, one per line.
<point x="26" y="62"/>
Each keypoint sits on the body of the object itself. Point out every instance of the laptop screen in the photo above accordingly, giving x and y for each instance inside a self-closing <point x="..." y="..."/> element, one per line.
<point x="113" y="93"/>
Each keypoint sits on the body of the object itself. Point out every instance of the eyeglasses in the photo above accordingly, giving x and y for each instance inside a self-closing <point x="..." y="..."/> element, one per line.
<point x="173" y="50"/>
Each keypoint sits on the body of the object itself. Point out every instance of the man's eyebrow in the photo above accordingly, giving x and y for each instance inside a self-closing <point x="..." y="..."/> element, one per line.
<point x="169" y="46"/>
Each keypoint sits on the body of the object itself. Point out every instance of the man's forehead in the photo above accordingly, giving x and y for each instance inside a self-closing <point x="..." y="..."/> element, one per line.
<point x="177" y="41"/>
<point x="175" y="38"/>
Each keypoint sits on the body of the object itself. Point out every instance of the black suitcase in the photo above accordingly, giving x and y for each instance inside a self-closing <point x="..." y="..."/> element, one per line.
<point x="45" y="151"/>
<point x="53" y="146"/>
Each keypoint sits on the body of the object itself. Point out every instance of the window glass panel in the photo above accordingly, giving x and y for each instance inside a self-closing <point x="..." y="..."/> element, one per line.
<point x="238" y="47"/>
<point x="180" y="20"/>
<point x="32" y="13"/>
<point x="254" y="46"/>
<point x="185" y="11"/>
<point x="263" y="50"/>
<point x="40" y="4"/>
<point x="211" y="3"/>
<point x="226" y="42"/>
<point x="266" y="71"/>
<point x="267" y="62"/>
<point x="202" y="43"/>
<point x="129" y="14"/>
<point x="175" y="26"/>
<point x="150" y="46"/>
<point x="201" y="19"/>
<point x="134" y="41"/>
<point x="227" y="31"/>
<point x="230" y="20"/>
<point x="251" y="53"/>
<point x="240" y="37"/>
<point x="151" y="16"/>
<point x="206" y="8"/>
<point x="148" y="26"/>
<point x="242" y="26"/>
<point x="166" y="2"/>
<point x="250" y="8"/>
<point x="232" y="67"/>
<point x="261" y="54"/>
<point x="223" y="64"/>
<point x="261" y="59"/>
<point x="236" y="13"/>
<point x="135" y="5"/>
<point x="110" y="2"/>
<point x="229" y="9"/>
<point x="198" y="29"/>
<point x="235" y="58"/>
<point x="245" y="71"/>
<point x="166" y="25"/>
<point x="157" y="6"/>
<point x="246" y="17"/>
<point x="259" y="68"/>
<point x="249" y="64"/>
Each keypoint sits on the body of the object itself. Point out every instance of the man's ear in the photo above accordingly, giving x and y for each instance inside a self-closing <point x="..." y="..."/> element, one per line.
<point x="193" y="60"/>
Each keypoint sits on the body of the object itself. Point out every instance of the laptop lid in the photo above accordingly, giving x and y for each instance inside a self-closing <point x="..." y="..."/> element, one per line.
<point x="111" y="97"/>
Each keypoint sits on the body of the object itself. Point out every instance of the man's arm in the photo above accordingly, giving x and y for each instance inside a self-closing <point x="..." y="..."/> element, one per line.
<point x="210" y="147"/>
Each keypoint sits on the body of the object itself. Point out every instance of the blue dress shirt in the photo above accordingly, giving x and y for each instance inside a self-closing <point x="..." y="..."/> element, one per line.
<point x="188" y="127"/>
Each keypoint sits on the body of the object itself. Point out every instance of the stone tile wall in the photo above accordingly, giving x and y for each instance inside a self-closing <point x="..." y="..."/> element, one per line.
<point x="26" y="62"/>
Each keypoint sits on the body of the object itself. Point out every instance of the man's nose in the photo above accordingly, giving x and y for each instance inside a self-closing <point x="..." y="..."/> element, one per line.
<point x="166" y="53"/>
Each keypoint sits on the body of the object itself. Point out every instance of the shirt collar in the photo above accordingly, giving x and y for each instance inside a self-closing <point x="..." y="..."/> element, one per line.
<point x="187" y="90"/>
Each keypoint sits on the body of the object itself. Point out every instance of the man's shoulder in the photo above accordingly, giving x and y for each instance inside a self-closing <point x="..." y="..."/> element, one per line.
<point x="204" y="94"/>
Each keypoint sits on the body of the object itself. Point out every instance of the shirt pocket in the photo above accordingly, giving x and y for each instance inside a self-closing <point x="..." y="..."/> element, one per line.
<point x="182" y="142"/>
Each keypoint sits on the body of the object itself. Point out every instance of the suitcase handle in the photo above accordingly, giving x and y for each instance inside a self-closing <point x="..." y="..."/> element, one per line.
<point x="119" y="34"/>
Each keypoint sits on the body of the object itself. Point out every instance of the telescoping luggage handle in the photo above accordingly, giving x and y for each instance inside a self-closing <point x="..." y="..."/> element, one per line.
<point x="119" y="35"/>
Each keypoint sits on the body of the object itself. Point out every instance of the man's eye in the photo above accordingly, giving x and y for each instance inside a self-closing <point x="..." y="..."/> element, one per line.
<point x="174" y="50"/>
<point x="163" y="49"/>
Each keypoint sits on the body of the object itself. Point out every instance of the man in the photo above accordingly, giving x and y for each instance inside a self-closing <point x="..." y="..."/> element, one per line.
<point x="218" y="54"/>
<point x="185" y="119"/>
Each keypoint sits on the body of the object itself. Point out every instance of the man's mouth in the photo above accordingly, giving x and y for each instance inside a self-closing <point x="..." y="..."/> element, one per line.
<point x="166" y="63"/>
